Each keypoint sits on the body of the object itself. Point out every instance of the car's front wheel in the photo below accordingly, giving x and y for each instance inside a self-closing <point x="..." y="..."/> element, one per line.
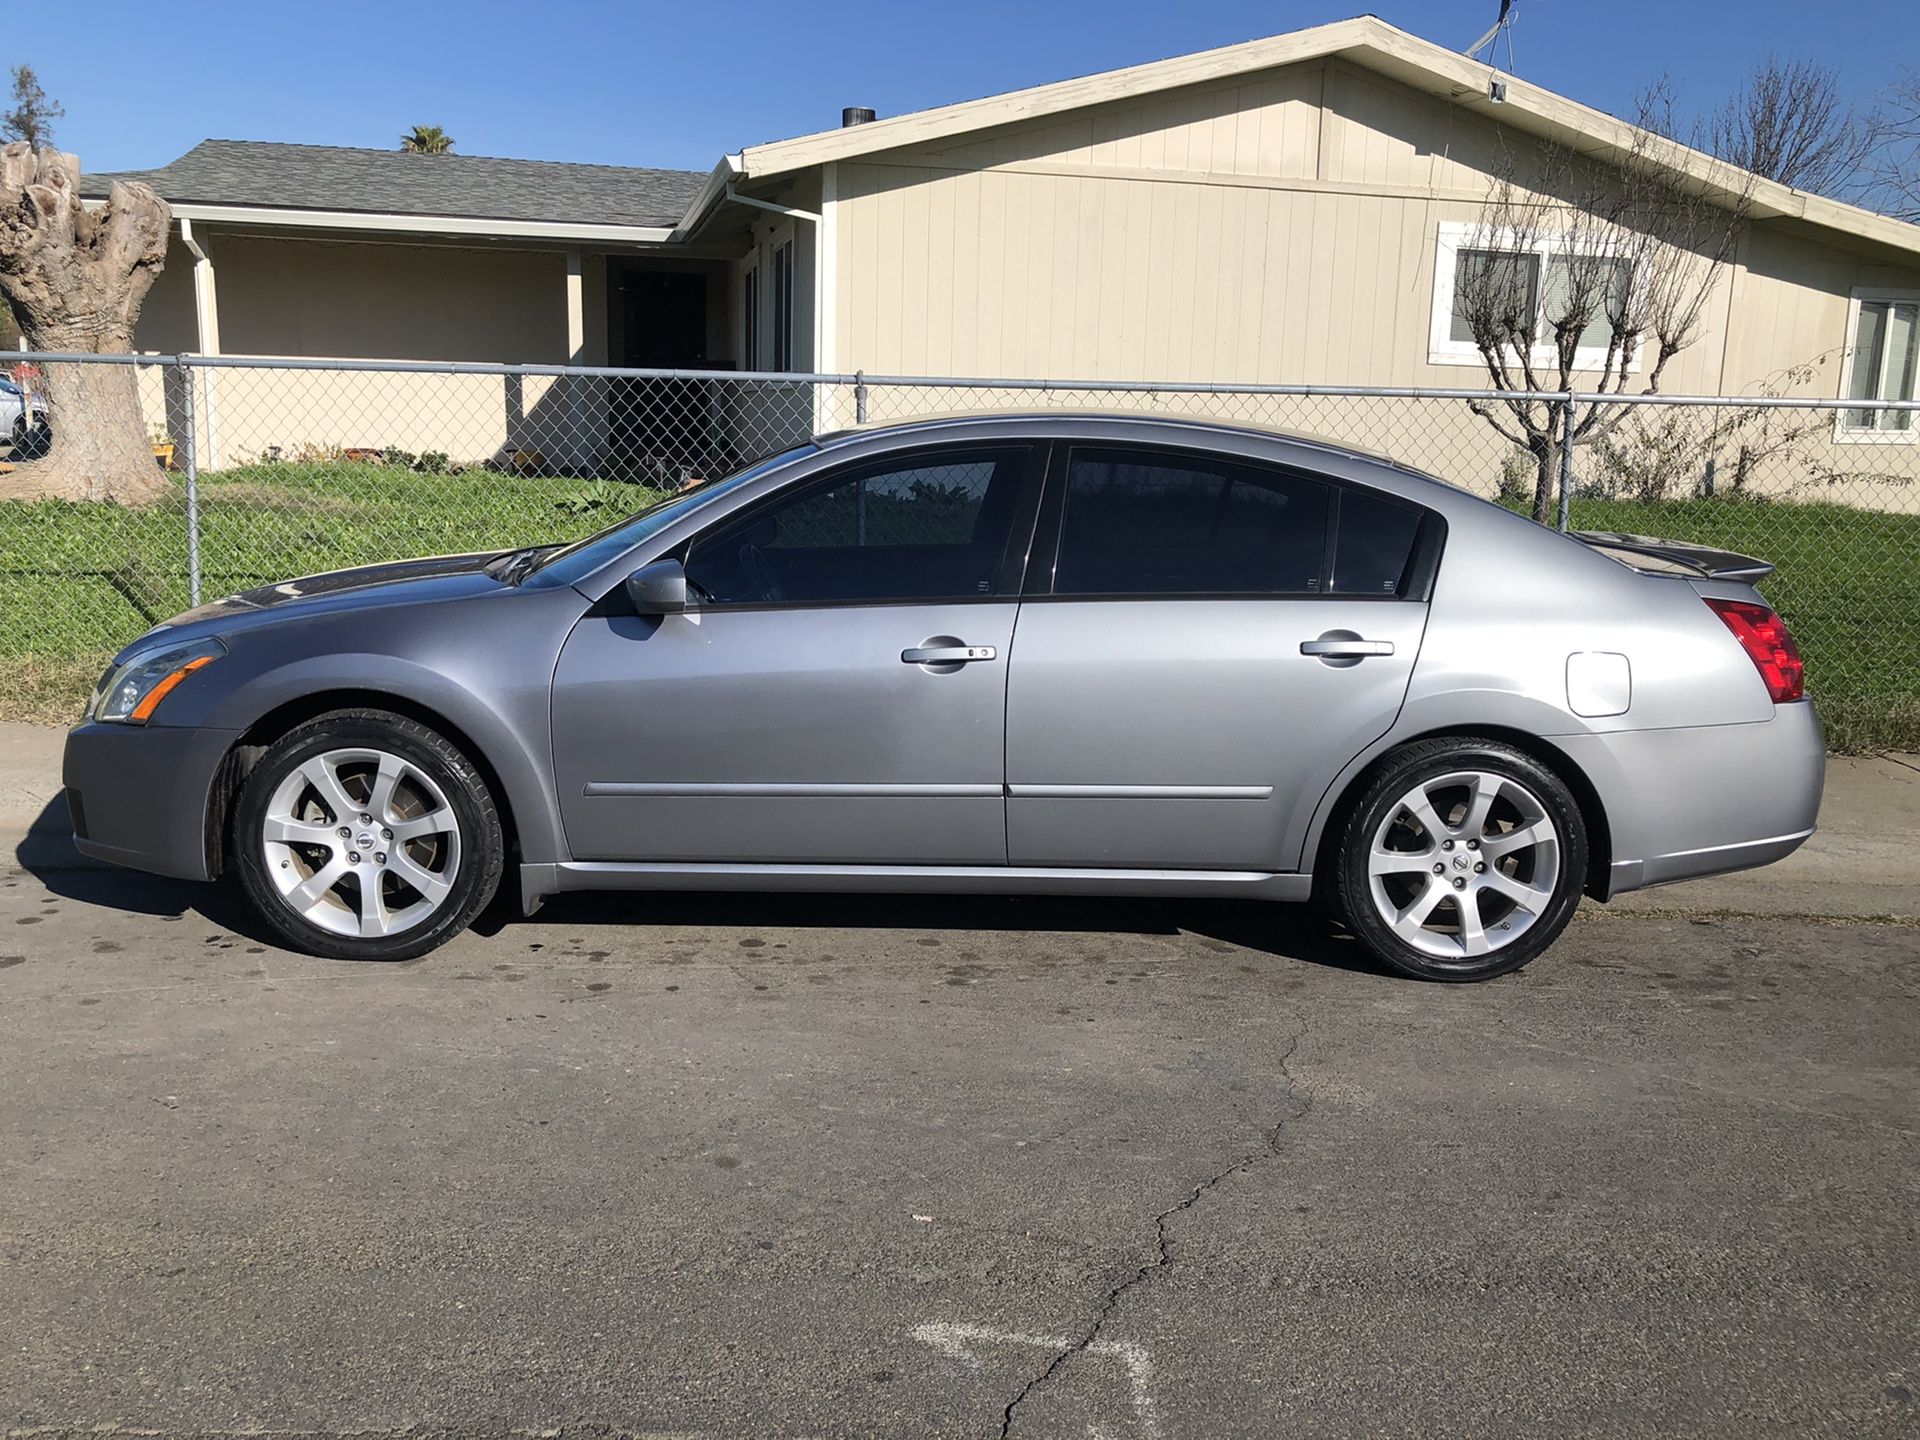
<point x="364" y="835"/>
<point x="1461" y="860"/>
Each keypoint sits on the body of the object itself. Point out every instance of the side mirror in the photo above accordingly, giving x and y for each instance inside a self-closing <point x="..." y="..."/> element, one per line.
<point x="659" y="588"/>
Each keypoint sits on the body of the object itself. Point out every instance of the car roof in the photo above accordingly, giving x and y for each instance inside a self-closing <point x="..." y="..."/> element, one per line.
<point x="1080" y="416"/>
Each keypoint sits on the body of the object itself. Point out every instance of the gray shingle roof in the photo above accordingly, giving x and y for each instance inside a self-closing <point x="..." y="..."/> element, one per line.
<point x="328" y="177"/>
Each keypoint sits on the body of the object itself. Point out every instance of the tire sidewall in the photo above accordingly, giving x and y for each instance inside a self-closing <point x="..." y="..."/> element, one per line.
<point x="1429" y="761"/>
<point x="481" y="843"/>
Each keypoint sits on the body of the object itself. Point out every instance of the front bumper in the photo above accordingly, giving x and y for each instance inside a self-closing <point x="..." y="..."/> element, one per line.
<point x="1703" y="800"/>
<point x="138" y="794"/>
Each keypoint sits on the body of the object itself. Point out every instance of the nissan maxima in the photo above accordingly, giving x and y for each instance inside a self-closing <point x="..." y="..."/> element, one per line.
<point x="1059" y="654"/>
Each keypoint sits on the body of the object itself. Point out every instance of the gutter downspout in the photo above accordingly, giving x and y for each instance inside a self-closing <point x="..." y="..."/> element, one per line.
<point x="206" y="315"/>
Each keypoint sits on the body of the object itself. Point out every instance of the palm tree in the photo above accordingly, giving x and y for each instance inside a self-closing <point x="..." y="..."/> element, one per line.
<point x="426" y="140"/>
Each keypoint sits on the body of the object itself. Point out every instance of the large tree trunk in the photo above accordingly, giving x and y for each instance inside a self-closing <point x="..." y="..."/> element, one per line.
<point x="76" y="280"/>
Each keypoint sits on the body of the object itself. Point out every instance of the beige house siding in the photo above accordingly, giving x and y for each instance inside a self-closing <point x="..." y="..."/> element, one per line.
<point x="1277" y="229"/>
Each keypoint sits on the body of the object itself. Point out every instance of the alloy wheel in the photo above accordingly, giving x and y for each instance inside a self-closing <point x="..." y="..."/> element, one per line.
<point x="1463" y="865"/>
<point x="360" y="842"/>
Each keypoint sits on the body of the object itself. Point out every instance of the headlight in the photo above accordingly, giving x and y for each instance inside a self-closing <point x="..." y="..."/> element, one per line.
<point x="130" y="693"/>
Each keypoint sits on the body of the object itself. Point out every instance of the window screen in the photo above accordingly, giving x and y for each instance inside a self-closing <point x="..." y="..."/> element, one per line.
<point x="1137" y="523"/>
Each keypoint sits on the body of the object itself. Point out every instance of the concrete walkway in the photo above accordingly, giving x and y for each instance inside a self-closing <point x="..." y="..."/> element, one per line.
<point x="1864" y="862"/>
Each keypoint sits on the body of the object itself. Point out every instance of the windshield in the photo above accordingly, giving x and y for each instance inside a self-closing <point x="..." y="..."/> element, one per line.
<point x="580" y="559"/>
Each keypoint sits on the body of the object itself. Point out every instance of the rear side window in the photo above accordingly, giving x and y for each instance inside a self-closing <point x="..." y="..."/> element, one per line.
<point x="1141" y="523"/>
<point x="1375" y="544"/>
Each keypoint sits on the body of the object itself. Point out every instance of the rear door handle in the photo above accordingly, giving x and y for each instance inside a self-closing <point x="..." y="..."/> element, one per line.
<point x="948" y="654"/>
<point x="1345" y="649"/>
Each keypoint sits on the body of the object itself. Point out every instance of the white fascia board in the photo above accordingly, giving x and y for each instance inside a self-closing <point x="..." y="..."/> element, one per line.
<point x="718" y="181"/>
<point x="420" y="224"/>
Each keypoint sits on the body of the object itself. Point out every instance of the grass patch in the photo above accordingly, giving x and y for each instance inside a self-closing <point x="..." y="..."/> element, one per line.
<point x="78" y="581"/>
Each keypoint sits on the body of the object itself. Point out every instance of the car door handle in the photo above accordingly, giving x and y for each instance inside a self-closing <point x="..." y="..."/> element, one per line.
<point x="948" y="654"/>
<point x="1345" y="649"/>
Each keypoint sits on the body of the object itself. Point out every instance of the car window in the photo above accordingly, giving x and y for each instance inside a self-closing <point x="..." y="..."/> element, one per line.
<point x="1140" y="523"/>
<point x="932" y="527"/>
<point x="1374" y="545"/>
<point x="580" y="559"/>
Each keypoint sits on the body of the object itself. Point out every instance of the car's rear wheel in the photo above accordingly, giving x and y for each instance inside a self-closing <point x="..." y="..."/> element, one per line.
<point x="364" y="835"/>
<point x="1461" y="860"/>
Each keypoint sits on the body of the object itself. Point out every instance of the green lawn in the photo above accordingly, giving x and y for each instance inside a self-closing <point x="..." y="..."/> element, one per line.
<point x="78" y="581"/>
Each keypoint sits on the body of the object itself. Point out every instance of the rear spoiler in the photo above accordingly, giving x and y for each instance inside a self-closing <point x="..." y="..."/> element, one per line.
<point x="1675" y="557"/>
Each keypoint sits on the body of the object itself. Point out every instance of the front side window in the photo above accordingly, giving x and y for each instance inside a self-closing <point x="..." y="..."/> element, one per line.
<point x="1143" y="524"/>
<point x="931" y="528"/>
<point x="1882" y="362"/>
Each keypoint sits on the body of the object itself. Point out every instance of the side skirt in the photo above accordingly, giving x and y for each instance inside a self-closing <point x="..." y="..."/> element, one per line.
<point x="539" y="881"/>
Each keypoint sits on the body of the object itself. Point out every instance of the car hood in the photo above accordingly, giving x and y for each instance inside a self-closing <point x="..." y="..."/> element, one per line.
<point x="398" y="582"/>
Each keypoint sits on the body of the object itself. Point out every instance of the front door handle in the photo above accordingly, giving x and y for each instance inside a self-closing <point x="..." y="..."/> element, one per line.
<point x="1340" y="649"/>
<point x="948" y="654"/>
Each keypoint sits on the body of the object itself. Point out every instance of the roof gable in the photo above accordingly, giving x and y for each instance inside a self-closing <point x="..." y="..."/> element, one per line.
<point x="1366" y="42"/>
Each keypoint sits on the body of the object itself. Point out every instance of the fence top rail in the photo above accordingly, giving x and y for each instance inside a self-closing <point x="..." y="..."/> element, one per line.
<point x="966" y="382"/>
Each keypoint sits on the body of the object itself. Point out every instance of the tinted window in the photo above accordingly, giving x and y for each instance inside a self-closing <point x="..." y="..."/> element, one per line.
<point x="1138" y="523"/>
<point x="932" y="528"/>
<point x="1375" y="544"/>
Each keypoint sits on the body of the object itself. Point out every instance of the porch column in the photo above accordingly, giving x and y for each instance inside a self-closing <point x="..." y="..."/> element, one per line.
<point x="578" y="451"/>
<point x="206" y="324"/>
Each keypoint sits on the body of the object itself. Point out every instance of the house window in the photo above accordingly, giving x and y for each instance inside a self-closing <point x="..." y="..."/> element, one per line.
<point x="1881" y="363"/>
<point x="1540" y="278"/>
<point x="783" y="306"/>
<point x="750" y="318"/>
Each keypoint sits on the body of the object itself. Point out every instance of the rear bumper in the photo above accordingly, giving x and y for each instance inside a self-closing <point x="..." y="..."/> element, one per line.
<point x="1704" y="800"/>
<point x="138" y="794"/>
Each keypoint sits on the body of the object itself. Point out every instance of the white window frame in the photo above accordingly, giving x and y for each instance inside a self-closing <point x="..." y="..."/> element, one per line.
<point x="1452" y="237"/>
<point x="784" y="237"/>
<point x="1844" y="434"/>
<point x="751" y="314"/>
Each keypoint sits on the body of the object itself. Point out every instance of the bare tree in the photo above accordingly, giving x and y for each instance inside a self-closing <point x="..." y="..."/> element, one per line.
<point x="1790" y="123"/>
<point x="1595" y="269"/>
<point x="1894" y="170"/>
<point x="76" y="279"/>
<point x="32" y="116"/>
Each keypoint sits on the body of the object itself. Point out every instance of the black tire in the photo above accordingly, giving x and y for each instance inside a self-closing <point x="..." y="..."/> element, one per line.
<point x="481" y="845"/>
<point x="31" y="443"/>
<point x="1378" y="810"/>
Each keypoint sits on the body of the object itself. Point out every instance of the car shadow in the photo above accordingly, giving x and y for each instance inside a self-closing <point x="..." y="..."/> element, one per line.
<point x="1291" y="932"/>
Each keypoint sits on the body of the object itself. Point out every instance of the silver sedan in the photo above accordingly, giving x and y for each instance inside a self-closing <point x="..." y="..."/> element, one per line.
<point x="1092" y="655"/>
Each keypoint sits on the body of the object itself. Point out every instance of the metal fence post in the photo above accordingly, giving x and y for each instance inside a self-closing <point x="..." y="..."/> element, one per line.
<point x="860" y="397"/>
<point x="193" y="482"/>
<point x="1566" y="462"/>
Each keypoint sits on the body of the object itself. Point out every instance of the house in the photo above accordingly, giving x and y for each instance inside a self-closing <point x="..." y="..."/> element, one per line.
<point x="1288" y="210"/>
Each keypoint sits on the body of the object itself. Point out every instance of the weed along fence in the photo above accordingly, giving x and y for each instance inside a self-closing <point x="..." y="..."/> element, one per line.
<point x="279" y="468"/>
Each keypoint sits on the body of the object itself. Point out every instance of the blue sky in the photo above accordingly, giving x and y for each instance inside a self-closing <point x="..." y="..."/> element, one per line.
<point x="677" y="85"/>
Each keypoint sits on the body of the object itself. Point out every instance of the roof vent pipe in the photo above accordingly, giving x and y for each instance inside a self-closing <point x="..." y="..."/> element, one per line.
<point x="856" y="115"/>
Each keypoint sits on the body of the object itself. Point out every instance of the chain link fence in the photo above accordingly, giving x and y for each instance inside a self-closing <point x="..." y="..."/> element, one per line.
<point x="271" y="469"/>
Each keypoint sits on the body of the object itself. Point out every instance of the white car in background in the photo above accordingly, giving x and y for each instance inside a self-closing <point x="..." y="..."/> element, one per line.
<point x="23" y="419"/>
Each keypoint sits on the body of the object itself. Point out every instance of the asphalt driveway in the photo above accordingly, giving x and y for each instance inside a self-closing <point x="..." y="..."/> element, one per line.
<point x="816" y="1167"/>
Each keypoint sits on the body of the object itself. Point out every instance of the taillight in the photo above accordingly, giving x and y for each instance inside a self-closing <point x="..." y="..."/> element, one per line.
<point x="1763" y="635"/>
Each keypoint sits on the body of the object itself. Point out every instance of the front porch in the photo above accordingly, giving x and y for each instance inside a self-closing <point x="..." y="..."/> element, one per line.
<point x="236" y="290"/>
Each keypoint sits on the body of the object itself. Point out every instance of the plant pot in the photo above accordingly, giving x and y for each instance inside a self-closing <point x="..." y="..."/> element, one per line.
<point x="163" y="454"/>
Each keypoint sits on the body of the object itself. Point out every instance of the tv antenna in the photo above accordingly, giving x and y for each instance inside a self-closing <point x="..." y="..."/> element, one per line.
<point x="1491" y="40"/>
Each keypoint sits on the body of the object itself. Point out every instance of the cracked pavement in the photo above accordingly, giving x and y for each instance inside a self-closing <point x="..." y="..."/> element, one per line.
<point x="922" y="1167"/>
